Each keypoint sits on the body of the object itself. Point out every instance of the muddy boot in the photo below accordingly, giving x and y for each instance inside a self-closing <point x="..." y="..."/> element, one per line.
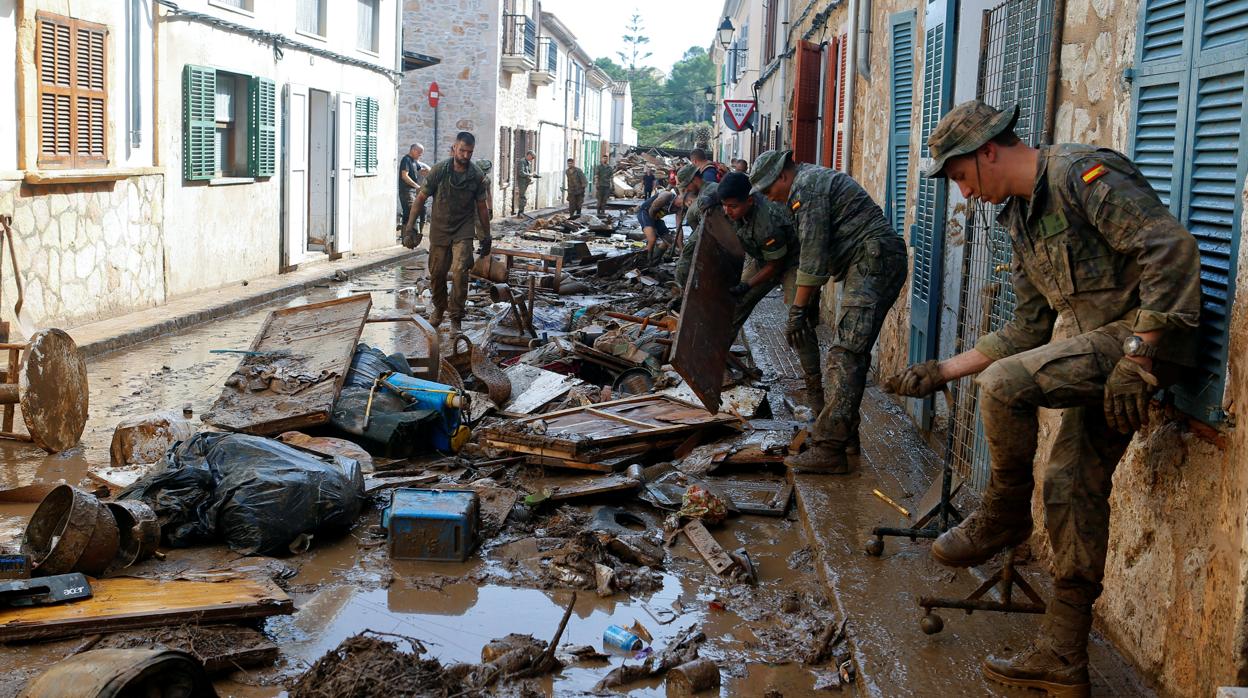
<point x="1057" y="661"/>
<point x="825" y="459"/>
<point x="455" y="327"/>
<point x="435" y="317"/>
<point x="853" y="447"/>
<point x="814" y="392"/>
<point x="983" y="534"/>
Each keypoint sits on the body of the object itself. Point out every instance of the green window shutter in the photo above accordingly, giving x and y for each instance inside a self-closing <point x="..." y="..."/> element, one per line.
<point x="372" y="135"/>
<point x="199" y="126"/>
<point x="261" y="127"/>
<point x="361" y="134"/>
<point x="901" y="114"/>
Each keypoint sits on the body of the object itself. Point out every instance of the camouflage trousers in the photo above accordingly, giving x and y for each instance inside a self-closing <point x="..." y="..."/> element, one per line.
<point x="870" y="288"/>
<point x="1068" y="375"/>
<point x="455" y="258"/>
<point x="808" y="353"/>
<point x="575" y="201"/>
<point x="604" y="195"/>
<point x="522" y="198"/>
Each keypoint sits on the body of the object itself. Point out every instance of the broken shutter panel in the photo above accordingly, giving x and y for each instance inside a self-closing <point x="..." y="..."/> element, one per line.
<point x="831" y="91"/>
<point x="90" y="95"/>
<point x="806" y="102"/>
<point x="199" y="105"/>
<point x="55" y="92"/>
<point x="901" y="113"/>
<point x="372" y="135"/>
<point x="838" y="161"/>
<point x="262" y="128"/>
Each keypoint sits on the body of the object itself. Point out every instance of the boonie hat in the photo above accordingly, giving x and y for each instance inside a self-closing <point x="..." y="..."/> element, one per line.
<point x="963" y="130"/>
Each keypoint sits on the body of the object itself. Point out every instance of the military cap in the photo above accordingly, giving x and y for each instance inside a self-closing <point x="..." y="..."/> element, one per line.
<point x="767" y="169"/>
<point x="484" y="165"/>
<point x="963" y="130"/>
<point x="685" y="175"/>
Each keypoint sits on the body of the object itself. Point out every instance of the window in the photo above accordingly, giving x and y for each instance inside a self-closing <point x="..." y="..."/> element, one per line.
<point x="365" y="136"/>
<point x="244" y="5"/>
<point x="367" y="28"/>
<point x="769" y="31"/>
<point x="742" y="45"/>
<point x="73" y="92"/>
<point x="578" y="82"/>
<point x="503" y="166"/>
<point x="1189" y="136"/>
<point x="310" y="17"/>
<point x="229" y="124"/>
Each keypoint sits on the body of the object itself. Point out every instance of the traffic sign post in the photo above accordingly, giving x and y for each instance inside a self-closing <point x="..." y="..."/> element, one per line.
<point x="434" y="96"/>
<point x="738" y="113"/>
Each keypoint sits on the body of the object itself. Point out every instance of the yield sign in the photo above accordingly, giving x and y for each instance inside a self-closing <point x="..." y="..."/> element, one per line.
<point x="738" y="112"/>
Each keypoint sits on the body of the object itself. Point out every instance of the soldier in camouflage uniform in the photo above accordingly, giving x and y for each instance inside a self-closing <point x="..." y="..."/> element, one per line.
<point x="700" y="197"/>
<point x="575" y="183"/>
<point x="485" y="166"/>
<point x="524" y="179"/>
<point x="773" y="252"/>
<point x="1094" y="244"/>
<point x="460" y="210"/>
<point x="844" y="236"/>
<point x="604" y="177"/>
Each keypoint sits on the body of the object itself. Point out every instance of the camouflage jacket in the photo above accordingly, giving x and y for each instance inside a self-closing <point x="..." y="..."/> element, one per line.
<point x="766" y="232"/>
<point x="1097" y="245"/>
<point x="707" y="198"/>
<point x="604" y="176"/>
<point x="833" y="215"/>
<point x="525" y="176"/>
<point x="576" y="181"/>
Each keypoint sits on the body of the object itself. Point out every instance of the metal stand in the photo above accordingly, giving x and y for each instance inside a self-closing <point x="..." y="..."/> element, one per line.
<point x="1004" y="579"/>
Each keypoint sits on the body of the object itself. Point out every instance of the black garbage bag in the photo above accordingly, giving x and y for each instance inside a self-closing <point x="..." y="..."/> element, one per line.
<point x="392" y="431"/>
<point x="258" y="495"/>
<point x="367" y="365"/>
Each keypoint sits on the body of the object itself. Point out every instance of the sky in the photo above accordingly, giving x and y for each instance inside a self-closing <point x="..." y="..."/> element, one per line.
<point x="672" y="26"/>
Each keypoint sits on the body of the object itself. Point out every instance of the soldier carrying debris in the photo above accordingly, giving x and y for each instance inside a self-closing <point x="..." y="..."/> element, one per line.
<point x="700" y="197"/>
<point x="575" y="184"/>
<point x="603" y="177"/>
<point x="765" y="230"/>
<point x="460" y="209"/>
<point x="844" y="236"/>
<point x="1094" y="243"/>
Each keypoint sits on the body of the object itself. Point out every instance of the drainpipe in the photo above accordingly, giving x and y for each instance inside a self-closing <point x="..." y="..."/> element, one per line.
<point x="864" y="39"/>
<point x="849" y="89"/>
<point x="784" y="69"/>
<point x="1055" y="71"/>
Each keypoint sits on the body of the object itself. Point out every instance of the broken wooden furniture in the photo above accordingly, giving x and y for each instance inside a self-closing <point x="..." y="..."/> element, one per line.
<point x="128" y="603"/>
<point x="47" y="377"/>
<point x="602" y="437"/>
<point x="294" y="370"/>
<point x="498" y="270"/>
<point x="424" y="355"/>
<point x="706" y="332"/>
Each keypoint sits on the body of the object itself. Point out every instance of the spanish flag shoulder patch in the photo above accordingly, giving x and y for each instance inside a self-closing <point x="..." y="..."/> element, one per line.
<point x="1094" y="173"/>
<point x="796" y="205"/>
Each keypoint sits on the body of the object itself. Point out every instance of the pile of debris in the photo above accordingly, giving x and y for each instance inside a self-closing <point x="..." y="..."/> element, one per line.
<point x="630" y="169"/>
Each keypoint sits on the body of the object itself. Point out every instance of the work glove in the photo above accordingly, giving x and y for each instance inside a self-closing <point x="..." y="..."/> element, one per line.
<point x="1127" y="393"/>
<point x="739" y="290"/>
<point x="920" y="380"/>
<point x="801" y="325"/>
<point x="484" y="247"/>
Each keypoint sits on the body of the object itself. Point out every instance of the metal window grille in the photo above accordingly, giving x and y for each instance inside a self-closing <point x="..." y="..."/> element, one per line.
<point x="519" y="36"/>
<point x="1013" y="69"/>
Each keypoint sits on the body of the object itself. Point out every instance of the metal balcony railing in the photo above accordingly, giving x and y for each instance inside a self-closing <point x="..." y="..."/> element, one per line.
<point x="520" y="36"/>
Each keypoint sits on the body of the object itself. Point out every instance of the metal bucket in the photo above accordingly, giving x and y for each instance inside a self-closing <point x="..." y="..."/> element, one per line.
<point x="71" y="531"/>
<point x="139" y="531"/>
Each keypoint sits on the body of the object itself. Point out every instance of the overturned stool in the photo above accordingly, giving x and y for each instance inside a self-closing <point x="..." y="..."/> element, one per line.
<point x="1004" y="579"/>
<point x="47" y="377"/>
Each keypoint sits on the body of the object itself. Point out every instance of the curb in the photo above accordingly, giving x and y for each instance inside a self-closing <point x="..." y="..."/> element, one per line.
<point x="151" y="331"/>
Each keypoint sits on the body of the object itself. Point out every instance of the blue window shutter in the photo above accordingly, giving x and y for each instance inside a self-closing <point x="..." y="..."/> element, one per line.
<point x="1223" y="23"/>
<point x="1162" y="29"/>
<point x="199" y="122"/>
<point x="372" y="135"/>
<point x="901" y="115"/>
<point x="1157" y="135"/>
<point x="360" y="142"/>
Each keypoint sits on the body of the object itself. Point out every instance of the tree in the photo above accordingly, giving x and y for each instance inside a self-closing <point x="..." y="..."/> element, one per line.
<point x="613" y="70"/>
<point x="686" y="87"/>
<point x="634" y="40"/>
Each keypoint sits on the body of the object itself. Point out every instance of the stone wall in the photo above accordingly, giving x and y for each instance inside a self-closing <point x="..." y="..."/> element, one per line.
<point x="86" y="251"/>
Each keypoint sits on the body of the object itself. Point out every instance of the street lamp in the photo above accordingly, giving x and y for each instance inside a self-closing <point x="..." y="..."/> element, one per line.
<point x="725" y="32"/>
<point x="710" y="95"/>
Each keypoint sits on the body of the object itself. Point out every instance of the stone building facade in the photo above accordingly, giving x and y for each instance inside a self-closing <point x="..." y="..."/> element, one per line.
<point x="1177" y="577"/>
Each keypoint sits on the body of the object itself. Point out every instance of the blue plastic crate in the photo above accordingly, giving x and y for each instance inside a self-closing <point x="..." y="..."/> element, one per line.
<point x="431" y="524"/>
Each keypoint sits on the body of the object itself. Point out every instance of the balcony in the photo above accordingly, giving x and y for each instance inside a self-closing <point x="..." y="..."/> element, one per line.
<point x="519" y="43"/>
<point x="547" y="64"/>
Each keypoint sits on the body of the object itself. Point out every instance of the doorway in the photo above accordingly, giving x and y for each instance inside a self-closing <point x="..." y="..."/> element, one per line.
<point x="320" y="169"/>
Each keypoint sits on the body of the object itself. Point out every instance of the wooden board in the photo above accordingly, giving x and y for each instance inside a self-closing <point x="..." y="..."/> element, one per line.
<point x="312" y="342"/>
<point x="126" y="603"/>
<point x="705" y="335"/>
<point x="708" y="547"/>
<point x="641" y="420"/>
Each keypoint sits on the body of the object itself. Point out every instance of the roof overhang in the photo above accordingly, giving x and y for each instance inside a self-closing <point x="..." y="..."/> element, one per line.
<point x="416" y="61"/>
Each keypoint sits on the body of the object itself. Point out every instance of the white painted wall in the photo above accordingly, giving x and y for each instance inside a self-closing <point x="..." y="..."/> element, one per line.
<point x="208" y="243"/>
<point x="8" y="86"/>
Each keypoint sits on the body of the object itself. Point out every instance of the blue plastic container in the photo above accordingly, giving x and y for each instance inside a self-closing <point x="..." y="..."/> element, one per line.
<point x="438" y="525"/>
<point x="615" y="637"/>
<point x="450" y="433"/>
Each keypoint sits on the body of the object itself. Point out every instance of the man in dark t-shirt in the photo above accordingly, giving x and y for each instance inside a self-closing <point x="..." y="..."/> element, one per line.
<point x="411" y="170"/>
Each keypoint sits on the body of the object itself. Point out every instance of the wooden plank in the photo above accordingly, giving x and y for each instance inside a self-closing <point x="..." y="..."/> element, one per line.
<point x="708" y="547"/>
<point x="620" y="418"/>
<point x="315" y="342"/>
<point x="606" y="485"/>
<point x="705" y="335"/>
<point x="126" y="603"/>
